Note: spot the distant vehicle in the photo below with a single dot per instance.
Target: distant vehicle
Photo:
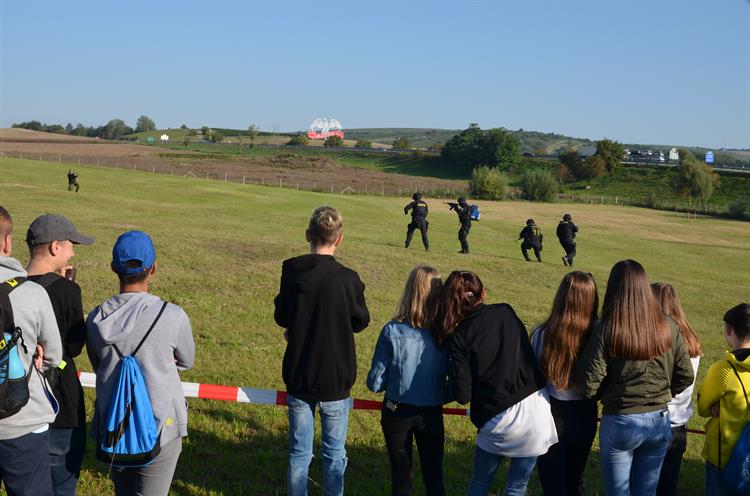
(528, 154)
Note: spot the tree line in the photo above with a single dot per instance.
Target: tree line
(114, 129)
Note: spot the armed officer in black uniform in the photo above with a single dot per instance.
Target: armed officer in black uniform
(566, 233)
(418, 220)
(532, 238)
(464, 218)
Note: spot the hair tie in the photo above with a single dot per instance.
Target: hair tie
(469, 294)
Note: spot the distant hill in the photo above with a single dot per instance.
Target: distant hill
(531, 141)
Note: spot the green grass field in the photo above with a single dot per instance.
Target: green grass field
(220, 248)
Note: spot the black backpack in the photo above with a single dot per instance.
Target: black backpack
(14, 379)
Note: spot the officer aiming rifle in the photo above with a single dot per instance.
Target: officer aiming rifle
(464, 218)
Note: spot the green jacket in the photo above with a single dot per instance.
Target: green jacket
(632, 386)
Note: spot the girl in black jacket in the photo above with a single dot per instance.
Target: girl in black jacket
(493, 366)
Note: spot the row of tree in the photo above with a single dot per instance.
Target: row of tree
(114, 129)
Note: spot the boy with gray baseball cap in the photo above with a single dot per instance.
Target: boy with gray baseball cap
(51, 239)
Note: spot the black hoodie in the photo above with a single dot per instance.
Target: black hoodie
(322, 304)
(492, 363)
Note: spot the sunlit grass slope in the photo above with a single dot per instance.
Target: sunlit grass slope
(220, 248)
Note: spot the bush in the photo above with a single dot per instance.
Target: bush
(563, 174)
(334, 141)
(298, 140)
(488, 184)
(539, 185)
(363, 143)
(738, 208)
(401, 143)
(593, 167)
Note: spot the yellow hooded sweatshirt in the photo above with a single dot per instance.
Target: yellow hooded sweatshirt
(721, 385)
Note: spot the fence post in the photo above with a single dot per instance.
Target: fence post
(280, 184)
(243, 179)
(59, 158)
(206, 174)
(153, 169)
(382, 190)
(297, 184)
(225, 177)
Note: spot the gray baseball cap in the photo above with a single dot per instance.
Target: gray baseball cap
(51, 227)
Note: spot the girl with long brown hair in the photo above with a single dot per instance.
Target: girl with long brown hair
(680, 408)
(491, 364)
(558, 343)
(410, 367)
(636, 362)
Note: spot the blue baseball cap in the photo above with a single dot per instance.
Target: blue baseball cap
(133, 246)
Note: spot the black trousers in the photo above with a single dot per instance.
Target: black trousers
(536, 247)
(561, 468)
(570, 251)
(421, 224)
(670, 469)
(400, 428)
(463, 233)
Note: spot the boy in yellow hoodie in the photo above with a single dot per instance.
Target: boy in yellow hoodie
(722, 398)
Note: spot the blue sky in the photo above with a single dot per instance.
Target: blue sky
(659, 72)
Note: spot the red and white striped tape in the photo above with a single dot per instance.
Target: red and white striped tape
(265, 396)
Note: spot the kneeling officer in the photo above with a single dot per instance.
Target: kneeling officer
(418, 220)
(532, 238)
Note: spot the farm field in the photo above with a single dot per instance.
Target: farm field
(220, 247)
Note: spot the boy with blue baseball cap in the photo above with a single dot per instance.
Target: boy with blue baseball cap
(121, 322)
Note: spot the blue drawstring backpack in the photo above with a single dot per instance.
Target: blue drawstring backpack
(736, 474)
(131, 435)
(14, 379)
(474, 212)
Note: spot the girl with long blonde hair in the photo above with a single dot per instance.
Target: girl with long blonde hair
(410, 367)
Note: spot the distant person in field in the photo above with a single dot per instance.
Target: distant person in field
(492, 365)
(724, 396)
(410, 367)
(116, 328)
(72, 181)
(681, 406)
(635, 361)
(24, 428)
(320, 305)
(566, 234)
(532, 239)
(463, 211)
(558, 343)
(51, 239)
(418, 220)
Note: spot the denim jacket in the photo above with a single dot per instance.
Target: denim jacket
(408, 366)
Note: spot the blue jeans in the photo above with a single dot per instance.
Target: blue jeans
(485, 466)
(334, 420)
(66, 447)
(631, 450)
(24, 465)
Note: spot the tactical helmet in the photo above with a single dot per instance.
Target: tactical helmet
(462, 200)
(416, 196)
(567, 217)
(530, 222)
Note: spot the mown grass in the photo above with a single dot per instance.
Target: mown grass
(220, 248)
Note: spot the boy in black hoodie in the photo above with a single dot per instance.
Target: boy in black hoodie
(321, 304)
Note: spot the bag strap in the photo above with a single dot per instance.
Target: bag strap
(47, 279)
(7, 321)
(741, 384)
(119, 353)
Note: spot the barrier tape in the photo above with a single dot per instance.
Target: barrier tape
(266, 396)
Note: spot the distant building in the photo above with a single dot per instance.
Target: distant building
(673, 155)
(586, 151)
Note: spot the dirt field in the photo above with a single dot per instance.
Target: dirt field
(287, 169)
